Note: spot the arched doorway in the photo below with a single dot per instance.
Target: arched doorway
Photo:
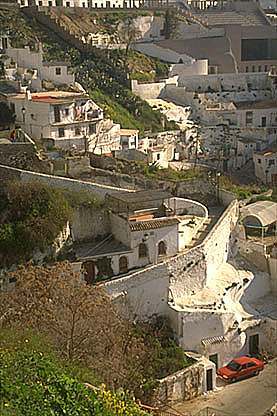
(123, 264)
(161, 248)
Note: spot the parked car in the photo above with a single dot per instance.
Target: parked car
(240, 367)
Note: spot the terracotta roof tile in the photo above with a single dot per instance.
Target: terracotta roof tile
(152, 224)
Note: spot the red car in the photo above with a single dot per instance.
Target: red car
(240, 367)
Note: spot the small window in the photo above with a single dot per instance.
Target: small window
(259, 68)
(271, 162)
(84, 4)
(265, 68)
(158, 156)
(57, 114)
(259, 161)
(66, 111)
(263, 121)
(61, 132)
(249, 117)
(123, 264)
(77, 131)
(161, 248)
(67, 4)
(50, 4)
(246, 69)
(143, 250)
(58, 71)
(92, 128)
(40, 3)
(253, 68)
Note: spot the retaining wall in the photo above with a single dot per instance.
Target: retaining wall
(75, 185)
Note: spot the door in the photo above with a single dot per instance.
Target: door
(209, 379)
(89, 271)
(214, 359)
(254, 344)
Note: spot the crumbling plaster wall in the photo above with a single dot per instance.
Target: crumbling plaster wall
(88, 223)
(184, 384)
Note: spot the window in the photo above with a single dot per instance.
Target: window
(249, 365)
(40, 3)
(259, 161)
(143, 250)
(246, 69)
(265, 68)
(66, 111)
(249, 117)
(161, 248)
(253, 68)
(123, 264)
(84, 4)
(263, 121)
(61, 132)
(158, 156)
(67, 4)
(58, 71)
(271, 162)
(77, 131)
(57, 114)
(92, 128)
(50, 3)
(259, 68)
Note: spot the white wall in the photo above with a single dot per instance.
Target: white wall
(199, 67)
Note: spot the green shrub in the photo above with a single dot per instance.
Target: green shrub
(35, 383)
(33, 217)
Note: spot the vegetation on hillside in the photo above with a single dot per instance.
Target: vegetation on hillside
(87, 331)
(104, 71)
(35, 382)
(31, 217)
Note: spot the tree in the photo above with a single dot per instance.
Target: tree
(35, 382)
(170, 24)
(127, 33)
(31, 217)
(7, 117)
(81, 321)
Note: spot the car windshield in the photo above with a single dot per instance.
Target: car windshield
(233, 366)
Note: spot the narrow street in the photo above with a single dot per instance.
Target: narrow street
(249, 397)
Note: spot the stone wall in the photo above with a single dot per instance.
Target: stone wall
(75, 185)
(89, 223)
(269, 329)
(23, 156)
(185, 384)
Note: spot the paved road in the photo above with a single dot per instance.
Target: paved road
(249, 397)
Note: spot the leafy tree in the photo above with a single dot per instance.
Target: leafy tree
(34, 382)
(33, 216)
(170, 24)
(7, 117)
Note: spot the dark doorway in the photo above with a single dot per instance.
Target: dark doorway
(263, 121)
(214, 359)
(254, 344)
(89, 271)
(123, 264)
(209, 379)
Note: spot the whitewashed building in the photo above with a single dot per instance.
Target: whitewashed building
(146, 227)
(265, 163)
(61, 118)
(31, 62)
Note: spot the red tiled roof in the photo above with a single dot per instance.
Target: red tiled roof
(152, 224)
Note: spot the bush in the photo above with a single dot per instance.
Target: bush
(32, 217)
(35, 383)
